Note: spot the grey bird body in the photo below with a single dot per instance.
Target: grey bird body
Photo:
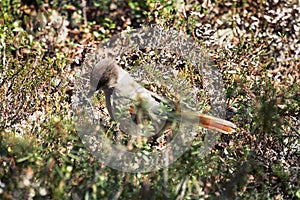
(122, 92)
(125, 97)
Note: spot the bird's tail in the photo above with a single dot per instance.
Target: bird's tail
(212, 123)
(217, 124)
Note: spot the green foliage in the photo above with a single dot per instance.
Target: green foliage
(42, 157)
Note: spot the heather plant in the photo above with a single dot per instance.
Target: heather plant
(254, 46)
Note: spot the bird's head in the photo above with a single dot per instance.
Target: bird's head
(103, 76)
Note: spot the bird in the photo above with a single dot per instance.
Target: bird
(133, 106)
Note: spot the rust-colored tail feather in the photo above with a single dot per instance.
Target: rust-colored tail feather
(216, 124)
(210, 122)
